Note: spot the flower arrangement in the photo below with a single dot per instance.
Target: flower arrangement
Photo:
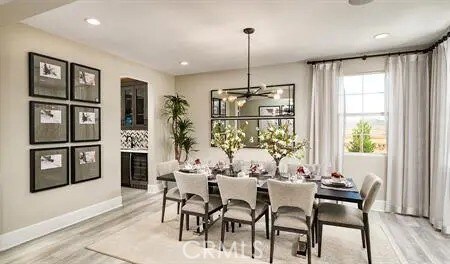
(280, 143)
(228, 138)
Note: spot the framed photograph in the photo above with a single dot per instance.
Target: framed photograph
(48, 77)
(49, 168)
(216, 106)
(269, 110)
(48, 123)
(290, 123)
(85, 123)
(86, 163)
(85, 83)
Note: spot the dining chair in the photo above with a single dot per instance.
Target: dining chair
(292, 207)
(200, 203)
(173, 194)
(240, 205)
(350, 217)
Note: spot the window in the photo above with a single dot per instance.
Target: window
(365, 121)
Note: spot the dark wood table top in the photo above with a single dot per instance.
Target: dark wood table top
(322, 193)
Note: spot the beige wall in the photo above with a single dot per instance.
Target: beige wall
(197, 88)
(19, 207)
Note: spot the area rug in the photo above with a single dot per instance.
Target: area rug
(150, 241)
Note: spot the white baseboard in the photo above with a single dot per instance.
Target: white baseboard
(154, 188)
(22, 235)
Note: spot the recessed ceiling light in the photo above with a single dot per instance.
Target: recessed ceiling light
(381, 36)
(359, 2)
(92, 21)
(184, 63)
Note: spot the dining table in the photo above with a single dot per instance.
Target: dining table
(335, 194)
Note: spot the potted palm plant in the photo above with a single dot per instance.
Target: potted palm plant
(280, 143)
(181, 127)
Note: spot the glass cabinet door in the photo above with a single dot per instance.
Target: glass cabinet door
(141, 106)
(128, 109)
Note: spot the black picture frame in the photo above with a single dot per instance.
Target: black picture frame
(233, 90)
(93, 168)
(50, 132)
(91, 129)
(80, 90)
(262, 107)
(40, 179)
(48, 77)
(249, 120)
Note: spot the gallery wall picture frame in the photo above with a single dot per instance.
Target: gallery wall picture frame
(85, 83)
(48, 77)
(85, 123)
(49, 168)
(85, 163)
(49, 123)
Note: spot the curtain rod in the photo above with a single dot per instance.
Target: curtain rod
(364, 57)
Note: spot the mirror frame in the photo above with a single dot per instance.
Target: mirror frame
(244, 119)
(291, 86)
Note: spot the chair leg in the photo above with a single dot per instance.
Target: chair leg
(187, 222)
(312, 234)
(308, 245)
(222, 235)
(320, 239)
(253, 240)
(232, 227)
(278, 232)
(272, 242)
(205, 219)
(267, 223)
(227, 227)
(240, 225)
(198, 224)
(369, 253)
(163, 208)
(363, 238)
(178, 208)
(181, 227)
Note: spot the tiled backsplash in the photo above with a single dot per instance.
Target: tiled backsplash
(139, 137)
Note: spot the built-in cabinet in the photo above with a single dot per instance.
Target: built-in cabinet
(134, 170)
(134, 106)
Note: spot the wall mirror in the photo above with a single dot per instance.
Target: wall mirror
(250, 125)
(263, 101)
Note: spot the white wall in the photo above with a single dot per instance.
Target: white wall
(197, 88)
(19, 207)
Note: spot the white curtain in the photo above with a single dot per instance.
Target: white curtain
(407, 83)
(327, 126)
(440, 139)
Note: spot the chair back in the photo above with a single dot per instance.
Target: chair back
(242, 189)
(369, 189)
(192, 183)
(297, 195)
(167, 167)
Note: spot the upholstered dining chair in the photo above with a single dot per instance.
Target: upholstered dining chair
(200, 203)
(346, 216)
(173, 194)
(240, 204)
(292, 207)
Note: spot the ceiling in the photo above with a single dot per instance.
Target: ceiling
(208, 34)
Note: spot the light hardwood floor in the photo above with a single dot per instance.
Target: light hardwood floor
(417, 241)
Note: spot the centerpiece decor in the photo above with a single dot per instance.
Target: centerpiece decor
(280, 143)
(229, 139)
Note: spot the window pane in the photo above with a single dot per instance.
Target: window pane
(353, 84)
(353, 104)
(377, 125)
(380, 143)
(352, 134)
(374, 83)
(374, 103)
